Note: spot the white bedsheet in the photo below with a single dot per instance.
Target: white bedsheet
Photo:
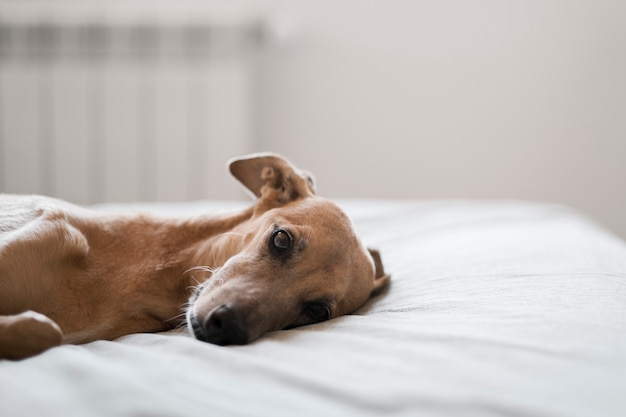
(496, 308)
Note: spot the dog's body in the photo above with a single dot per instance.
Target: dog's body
(290, 259)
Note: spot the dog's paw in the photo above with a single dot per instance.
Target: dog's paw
(27, 334)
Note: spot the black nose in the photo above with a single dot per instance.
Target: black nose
(224, 326)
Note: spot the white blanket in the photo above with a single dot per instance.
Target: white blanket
(495, 308)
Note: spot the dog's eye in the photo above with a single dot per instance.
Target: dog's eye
(318, 311)
(281, 241)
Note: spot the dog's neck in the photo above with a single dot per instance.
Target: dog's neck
(204, 242)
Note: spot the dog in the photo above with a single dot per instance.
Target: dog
(73, 275)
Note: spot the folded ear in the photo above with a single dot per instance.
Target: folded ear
(271, 177)
(381, 280)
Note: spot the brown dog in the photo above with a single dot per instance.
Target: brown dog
(289, 260)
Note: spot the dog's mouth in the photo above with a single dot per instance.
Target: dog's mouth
(194, 325)
(195, 329)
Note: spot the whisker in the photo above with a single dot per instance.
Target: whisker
(201, 268)
(176, 317)
(232, 233)
(181, 325)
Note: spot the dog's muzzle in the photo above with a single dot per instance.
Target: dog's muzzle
(223, 326)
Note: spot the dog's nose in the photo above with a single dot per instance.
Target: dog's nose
(225, 326)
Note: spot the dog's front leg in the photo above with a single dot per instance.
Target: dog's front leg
(27, 334)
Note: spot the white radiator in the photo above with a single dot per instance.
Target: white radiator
(111, 109)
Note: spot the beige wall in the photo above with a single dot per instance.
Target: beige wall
(454, 99)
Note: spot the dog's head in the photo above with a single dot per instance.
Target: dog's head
(296, 261)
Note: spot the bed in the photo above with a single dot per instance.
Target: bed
(496, 308)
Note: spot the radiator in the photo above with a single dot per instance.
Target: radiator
(111, 109)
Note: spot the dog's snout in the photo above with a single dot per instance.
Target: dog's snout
(225, 326)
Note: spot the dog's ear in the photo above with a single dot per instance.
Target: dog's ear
(272, 178)
(381, 280)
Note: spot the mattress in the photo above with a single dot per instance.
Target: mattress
(495, 308)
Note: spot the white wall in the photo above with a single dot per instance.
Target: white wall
(90, 119)
(445, 99)
(454, 99)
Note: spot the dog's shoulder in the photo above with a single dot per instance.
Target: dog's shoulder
(39, 228)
